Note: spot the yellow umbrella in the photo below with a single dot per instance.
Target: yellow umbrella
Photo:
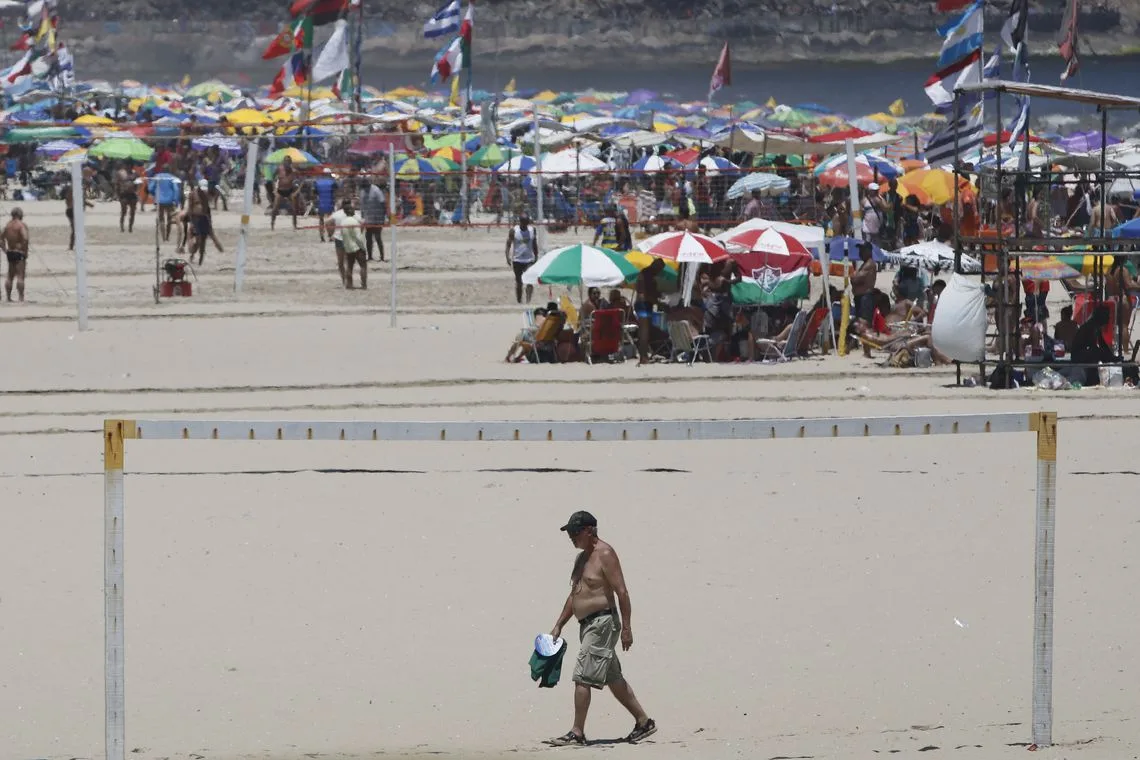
(405, 92)
(91, 120)
(247, 117)
(545, 96)
(933, 186)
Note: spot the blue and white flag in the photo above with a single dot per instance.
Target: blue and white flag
(445, 21)
(940, 149)
(961, 35)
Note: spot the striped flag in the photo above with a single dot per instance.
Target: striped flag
(294, 72)
(970, 136)
(941, 84)
(343, 84)
(445, 21)
(961, 35)
(457, 55)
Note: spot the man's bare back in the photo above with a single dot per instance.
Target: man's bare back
(590, 590)
(15, 237)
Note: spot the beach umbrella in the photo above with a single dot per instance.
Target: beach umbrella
(56, 147)
(655, 163)
(684, 247)
(248, 117)
(491, 155)
(768, 240)
(454, 155)
(1129, 229)
(848, 248)
(772, 287)
(810, 235)
(517, 164)
(571, 162)
(210, 88)
(934, 186)
(414, 168)
(668, 279)
(580, 264)
(714, 165)
(833, 171)
(767, 184)
(299, 157)
(932, 255)
(221, 142)
(1045, 268)
(127, 148)
(91, 120)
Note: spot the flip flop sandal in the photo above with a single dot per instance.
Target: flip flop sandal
(641, 732)
(570, 738)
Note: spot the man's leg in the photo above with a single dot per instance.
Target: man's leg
(8, 280)
(274, 205)
(369, 236)
(340, 265)
(363, 262)
(349, 262)
(624, 694)
(581, 708)
(122, 216)
(131, 219)
(20, 269)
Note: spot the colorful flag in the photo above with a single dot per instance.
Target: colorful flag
(21, 68)
(1014, 28)
(1067, 43)
(457, 55)
(898, 108)
(321, 12)
(970, 135)
(334, 55)
(961, 35)
(298, 35)
(23, 43)
(445, 21)
(293, 72)
(941, 84)
(343, 84)
(722, 74)
(453, 101)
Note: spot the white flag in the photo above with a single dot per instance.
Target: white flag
(334, 56)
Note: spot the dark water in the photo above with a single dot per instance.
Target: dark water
(852, 88)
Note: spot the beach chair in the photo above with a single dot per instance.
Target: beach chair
(546, 339)
(603, 337)
(571, 312)
(810, 338)
(785, 350)
(683, 342)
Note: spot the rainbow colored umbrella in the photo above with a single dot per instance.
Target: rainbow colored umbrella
(1046, 268)
(299, 157)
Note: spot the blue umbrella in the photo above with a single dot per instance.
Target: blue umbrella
(1128, 229)
(848, 248)
(769, 184)
(655, 163)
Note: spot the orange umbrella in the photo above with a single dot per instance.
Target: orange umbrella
(934, 186)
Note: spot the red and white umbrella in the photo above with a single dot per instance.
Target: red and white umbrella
(684, 247)
(768, 240)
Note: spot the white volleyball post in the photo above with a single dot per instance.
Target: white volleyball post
(117, 432)
(78, 218)
(392, 225)
(539, 227)
(247, 211)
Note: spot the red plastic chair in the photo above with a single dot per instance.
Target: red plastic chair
(605, 333)
(1083, 305)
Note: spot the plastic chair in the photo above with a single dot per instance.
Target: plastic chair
(684, 342)
(604, 337)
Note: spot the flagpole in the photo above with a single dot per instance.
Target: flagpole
(359, 45)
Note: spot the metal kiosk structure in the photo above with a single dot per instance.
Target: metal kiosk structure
(116, 433)
(1004, 195)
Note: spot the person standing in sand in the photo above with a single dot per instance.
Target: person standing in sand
(15, 243)
(522, 252)
(594, 583)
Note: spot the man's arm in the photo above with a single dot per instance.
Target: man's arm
(563, 617)
(510, 242)
(611, 568)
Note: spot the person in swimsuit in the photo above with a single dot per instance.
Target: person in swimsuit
(201, 222)
(643, 305)
(128, 195)
(595, 582)
(286, 191)
(15, 244)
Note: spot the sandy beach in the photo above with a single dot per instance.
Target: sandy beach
(806, 599)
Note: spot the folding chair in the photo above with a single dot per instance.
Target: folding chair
(811, 331)
(785, 350)
(604, 335)
(547, 338)
(684, 341)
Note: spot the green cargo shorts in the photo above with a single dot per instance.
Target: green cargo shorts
(598, 664)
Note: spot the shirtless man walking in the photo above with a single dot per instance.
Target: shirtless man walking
(128, 194)
(594, 582)
(15, 243)
(285, 192)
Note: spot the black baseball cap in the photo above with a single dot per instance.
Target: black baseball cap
(580, 520)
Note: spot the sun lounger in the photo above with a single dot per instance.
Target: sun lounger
(684, 342)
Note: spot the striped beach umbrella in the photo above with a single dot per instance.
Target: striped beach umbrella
(580, 264)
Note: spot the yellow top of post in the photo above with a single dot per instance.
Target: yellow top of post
(1045, 425)
(114, 433)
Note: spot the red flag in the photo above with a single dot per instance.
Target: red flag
(953, 5)
(22, 68)
(282, 44)
(1068, 40)
(23, 43)
(722, 74)
(321, 11)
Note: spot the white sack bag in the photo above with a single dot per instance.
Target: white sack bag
(959, 328)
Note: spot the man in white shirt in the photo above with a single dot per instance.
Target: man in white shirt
(872, 213)
(522, 252)
(348, 238)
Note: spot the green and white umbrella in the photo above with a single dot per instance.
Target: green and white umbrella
(580, 264)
